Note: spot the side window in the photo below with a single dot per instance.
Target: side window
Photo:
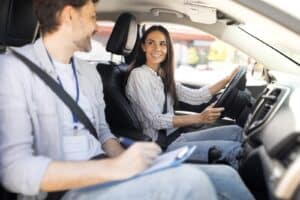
(99, 41)
(202, 59)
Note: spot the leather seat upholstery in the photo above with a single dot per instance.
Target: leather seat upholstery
(17, 22)
(119, 114)
(17, 27)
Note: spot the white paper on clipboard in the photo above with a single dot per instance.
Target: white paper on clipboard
(170, 159)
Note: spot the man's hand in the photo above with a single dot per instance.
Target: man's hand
(77, 174)
(136, 158)
(112, 148)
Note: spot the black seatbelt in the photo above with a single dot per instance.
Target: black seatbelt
(162, 139)
(59, 91)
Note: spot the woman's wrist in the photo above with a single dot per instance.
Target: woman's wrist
(198, 119)
(227, 79)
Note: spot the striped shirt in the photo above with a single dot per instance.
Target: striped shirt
(145, 91)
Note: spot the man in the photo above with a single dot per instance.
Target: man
(43, 146)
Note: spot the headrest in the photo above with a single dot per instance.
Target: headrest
(17, 22)
(123, 36)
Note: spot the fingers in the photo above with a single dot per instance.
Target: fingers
(150, 146)
(212, 105)
(136, 158)
(148, 151)
(213, 117)
(151, 151)
(235, 71)
(211, 114)
(213, 109)
(237, 68)
(150, 154)
(217, 110)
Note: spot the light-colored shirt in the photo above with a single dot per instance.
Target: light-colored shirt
(31, 132)
(145, 90)
(78, 144)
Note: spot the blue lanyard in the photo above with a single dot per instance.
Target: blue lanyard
(75, 119)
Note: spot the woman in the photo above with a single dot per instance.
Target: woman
(151, 77)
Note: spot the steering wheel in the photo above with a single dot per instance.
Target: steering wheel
(238, 82)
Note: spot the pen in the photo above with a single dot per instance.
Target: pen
(126, 142)
(186, 152)
(182, 153)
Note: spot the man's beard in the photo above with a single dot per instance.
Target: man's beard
(84, 45)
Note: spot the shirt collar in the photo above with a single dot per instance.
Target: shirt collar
(150, 70)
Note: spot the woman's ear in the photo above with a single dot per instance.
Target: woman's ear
(143, 48)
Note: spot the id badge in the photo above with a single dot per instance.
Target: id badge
(76, 147)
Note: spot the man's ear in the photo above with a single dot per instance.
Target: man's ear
(66, 15)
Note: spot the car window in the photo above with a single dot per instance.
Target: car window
(202, 59)
(99, 41)
(278, 41)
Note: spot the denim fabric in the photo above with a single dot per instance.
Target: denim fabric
(184, 182)
(227, 182)
(227, 139)
(179, 183)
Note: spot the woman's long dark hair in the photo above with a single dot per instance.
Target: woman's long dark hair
(166, 69)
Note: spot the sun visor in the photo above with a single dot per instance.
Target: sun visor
(197, 13)
(200, 13)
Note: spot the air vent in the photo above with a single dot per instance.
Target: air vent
(255, 106)
(276, 92)
(266, 104)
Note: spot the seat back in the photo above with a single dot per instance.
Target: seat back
(119, 114)
(17, 27)
(17, 22)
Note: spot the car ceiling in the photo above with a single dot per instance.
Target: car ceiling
(229, 13)
(183, 10)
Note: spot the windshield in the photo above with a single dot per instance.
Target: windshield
(290, 7)
(285, 13)
(278, 41)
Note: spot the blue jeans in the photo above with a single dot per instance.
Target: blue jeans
(184, 182)
(227, 139)
(178, 183)
(227, 182)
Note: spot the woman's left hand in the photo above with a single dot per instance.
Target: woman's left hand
(232, 74)
(223, 82)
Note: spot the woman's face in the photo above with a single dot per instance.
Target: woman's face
(155, 48)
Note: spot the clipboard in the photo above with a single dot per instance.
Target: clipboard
(170, 159)
(164, 161)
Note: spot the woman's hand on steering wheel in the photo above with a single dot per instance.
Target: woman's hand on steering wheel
(237, 79)
(210, 114)
(232, 74)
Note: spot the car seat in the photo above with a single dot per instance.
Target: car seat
(18, 26)
(119, 114)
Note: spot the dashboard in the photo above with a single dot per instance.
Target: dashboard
(273, 125)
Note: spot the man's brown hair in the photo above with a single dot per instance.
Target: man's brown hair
(47, 11)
